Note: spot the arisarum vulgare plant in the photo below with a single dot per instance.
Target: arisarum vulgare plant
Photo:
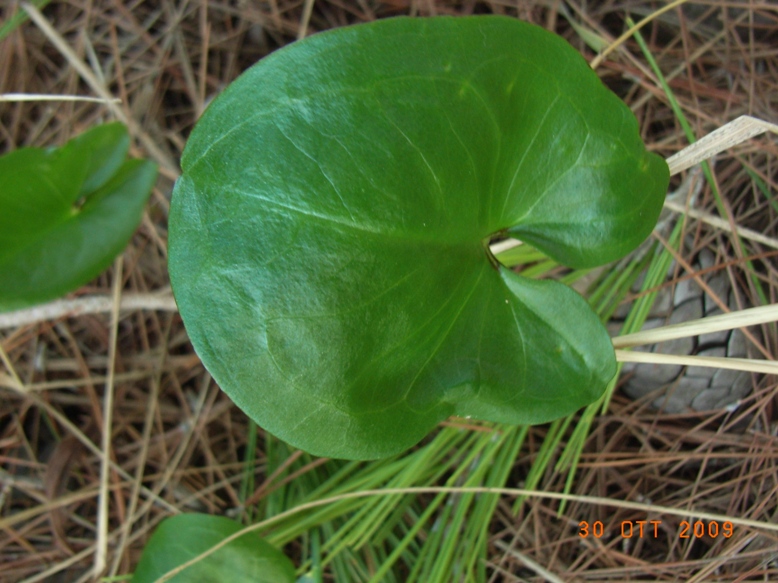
(329, 235)
(67, 212)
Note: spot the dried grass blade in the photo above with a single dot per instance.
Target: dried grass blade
(735, 132)
(101, 554)
(534, 565)
(305, 20)
(730, 321)
(43, 97)
(746, 364)
(632, 29)
(720, 223)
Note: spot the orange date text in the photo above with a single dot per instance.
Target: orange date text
(651, 528)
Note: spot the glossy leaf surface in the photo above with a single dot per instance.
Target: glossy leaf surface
(65, 213)
(329, 234)
(185, 536)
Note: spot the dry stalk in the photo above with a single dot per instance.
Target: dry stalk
(96, 304)
(102, 513)
(10, 97)
(630, 31)
(746, 364)
(730, 321)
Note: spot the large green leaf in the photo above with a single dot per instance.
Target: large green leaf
(180, 538)
(65, 213)
(329, 234)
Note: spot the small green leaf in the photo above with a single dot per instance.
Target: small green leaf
(185, 536)
(329, 234)
(65, 213)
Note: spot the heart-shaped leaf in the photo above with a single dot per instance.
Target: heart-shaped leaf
(181, 538)
(65, 213)
(329, 234)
